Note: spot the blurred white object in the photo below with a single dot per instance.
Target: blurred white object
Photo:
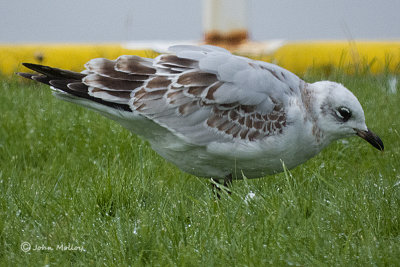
(225, 21)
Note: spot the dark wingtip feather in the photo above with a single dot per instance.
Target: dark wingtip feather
(41, 78)
(54, 72)
(29, 65)
(25, 75)
(36, 77)
(78, 86)
(67, 81)
(35, 67)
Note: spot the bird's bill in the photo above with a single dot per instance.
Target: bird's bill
(371, 138)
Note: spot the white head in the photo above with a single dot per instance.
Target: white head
(339, 113)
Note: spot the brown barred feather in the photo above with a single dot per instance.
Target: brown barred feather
(225, 125)
(253, 135)
(212, 89)
(243, 133)
(134, 65)
(188, 108)
(196, 91)
(214, 120)
(158, 82)
(107, 83)
(249, 122)
(258, 124)
(173, 60)
(250, 125)
(105, 67)
(149, 95)
(233, 115)
(197, 78)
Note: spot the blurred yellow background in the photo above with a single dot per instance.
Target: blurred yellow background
(297, 57)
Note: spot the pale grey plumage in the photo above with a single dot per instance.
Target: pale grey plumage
(212, 113)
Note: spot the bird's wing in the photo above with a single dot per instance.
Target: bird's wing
(200, 93)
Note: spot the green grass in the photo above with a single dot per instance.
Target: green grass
(70, 176)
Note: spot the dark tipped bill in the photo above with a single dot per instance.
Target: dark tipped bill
(371, 138)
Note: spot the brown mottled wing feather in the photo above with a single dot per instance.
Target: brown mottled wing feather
(202, 94)
(109, 82)
(206, 101)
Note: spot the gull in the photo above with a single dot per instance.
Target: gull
(214, 114)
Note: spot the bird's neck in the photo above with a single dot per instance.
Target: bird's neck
(311, 98)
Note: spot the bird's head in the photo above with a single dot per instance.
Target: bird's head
(339, 113)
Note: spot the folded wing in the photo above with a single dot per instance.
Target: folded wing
(200, 93)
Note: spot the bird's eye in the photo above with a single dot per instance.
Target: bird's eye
(343, 113)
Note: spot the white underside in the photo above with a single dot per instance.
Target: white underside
(219, 159)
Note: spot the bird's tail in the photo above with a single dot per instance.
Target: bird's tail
(68, 85)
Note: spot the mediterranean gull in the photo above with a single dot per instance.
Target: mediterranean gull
(214, 114)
